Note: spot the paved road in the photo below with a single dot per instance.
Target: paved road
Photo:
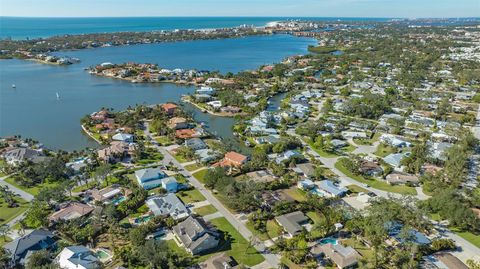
(468, 250)
(25, 195)
(272, 259)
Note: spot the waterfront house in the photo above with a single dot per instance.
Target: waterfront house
(170, 108)
(127, 138)
(167, 205)
(21, 248)
(343, 257)
(70, 211)
(271, 139)
(215, 104)
(116, 152)
(77, 257)
(332, 189)
(194, 235)
(205, 90)
(16, 156)
(177, 123)
(294, 223)
(150, 178)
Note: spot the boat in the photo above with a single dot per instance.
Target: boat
(13, 86)
(58, 96)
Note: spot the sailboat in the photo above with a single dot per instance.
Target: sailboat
(58, 96)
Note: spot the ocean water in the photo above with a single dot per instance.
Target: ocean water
(22, 28)
(32, 109)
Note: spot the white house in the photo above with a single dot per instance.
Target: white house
(77, 257)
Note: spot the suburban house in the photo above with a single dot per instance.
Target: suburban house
(16, 156)
(443, 260)
(401, 178)
(343, 257)
(111, 194)
(177, 123)
(206, 155)
(150, 178)
(195, 144)
(371, 168)
(261, 176)
(331, 189)
(220, 261)
(77, 257)
(167, 205)
(170, 108)
(394, 159)
(305, 169)
(116, 152)
(270, 198)
(127, 138)
(305, 184)
(395, 232)
(288, 155)
(394, 141)
(293, 223)
(194, 235)
(21, 248)
(70, 211)
(232, 159)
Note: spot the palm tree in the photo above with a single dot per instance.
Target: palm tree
(4, 231)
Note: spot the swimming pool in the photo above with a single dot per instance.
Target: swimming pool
(328, 240)
(318, 192)
(118, 200)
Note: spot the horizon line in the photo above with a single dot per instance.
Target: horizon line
(237, 16)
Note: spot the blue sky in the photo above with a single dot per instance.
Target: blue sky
(313, 8)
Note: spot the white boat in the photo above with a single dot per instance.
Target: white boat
(58, 96)
(13, 86)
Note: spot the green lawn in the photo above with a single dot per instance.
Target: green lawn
(191, 196)
(180, 158)
(296, 194)
(205, 210)
(357, 189)
(7, 213)
(82, 188)
(315, 217)
(149, 156)
(470, 237)
(163, 140)
(362, 141)
(32, 190)
(193, 167)
(239, 247)
(4, 240)
(200, 175)
(384, 150)
(376, 183)
(358, 246)
(173, 246)
(273, 230)
(321, 152)
(349, 148)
